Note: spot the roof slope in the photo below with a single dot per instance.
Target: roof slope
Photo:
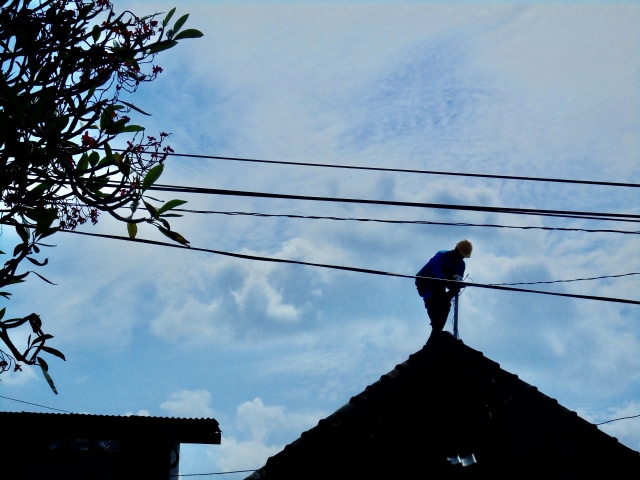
(449, 401)
(181, 430)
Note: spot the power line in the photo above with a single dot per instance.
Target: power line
(35, 404)
(405, 170)
(619, 217)
(211, 473)
(350, 269)
(622, 217)
(402, 222)
(602, 277)
(617, 419)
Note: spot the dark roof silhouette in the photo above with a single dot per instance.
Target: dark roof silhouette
(448, 403)
(183, 430)
(36, 446)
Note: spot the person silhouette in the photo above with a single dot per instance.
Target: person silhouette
(436, 294)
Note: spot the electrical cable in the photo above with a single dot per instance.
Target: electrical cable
(34, 404)
(602, 277)
(617, 419)
(401, 222)
(210, 473)
(405, 170)
(349, 269)
(622, 217)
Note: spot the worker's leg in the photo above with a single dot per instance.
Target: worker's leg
(438, 307)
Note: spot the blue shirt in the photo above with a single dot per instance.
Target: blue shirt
(445, 264)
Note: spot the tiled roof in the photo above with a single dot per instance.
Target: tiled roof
(181, 430)
(447, 402)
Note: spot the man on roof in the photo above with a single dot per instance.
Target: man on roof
(437, 294)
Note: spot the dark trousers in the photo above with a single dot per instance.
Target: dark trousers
(438, 306)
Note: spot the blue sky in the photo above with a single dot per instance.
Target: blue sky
(527, 89)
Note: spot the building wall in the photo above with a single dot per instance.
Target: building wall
(89, 459)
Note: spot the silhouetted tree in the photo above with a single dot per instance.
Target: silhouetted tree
(67, 66)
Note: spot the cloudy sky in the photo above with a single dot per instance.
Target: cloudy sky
(531, 90)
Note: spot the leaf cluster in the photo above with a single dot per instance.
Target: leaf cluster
(66, 66)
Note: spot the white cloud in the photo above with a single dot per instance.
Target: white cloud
(257, 419)
(233, 455)
(190, 320)
(188, 403)
(23, 377)
(141, 413)
(256, 288)
(259, 429)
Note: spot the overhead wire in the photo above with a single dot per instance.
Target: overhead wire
(178, 475)
(618, 419)
(584, 215)
(402, 222)
(601, 277)
(409, 170)
(622, 217)
(396, 222)
(348, 268)
(35, 404)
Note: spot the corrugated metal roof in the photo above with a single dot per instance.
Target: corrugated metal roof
(182, 430)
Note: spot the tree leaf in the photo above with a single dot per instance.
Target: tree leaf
(132, 128)
(171, 204)
(15, 322)
(106, 119)
(188, 33)
(83, 163)
(152, 210)
(133, 107)
(96, 32)
(45, 371)
(43, 364)
(180, 22)
(109, 153)
(94, 158)
(165, 223)
(23, 233)
(38, 263)
(54, 351)
(132, 229)
(175, 236)
(151, 176)
(161, 46)
(168, 17)
(42, 338)
(43, 278)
